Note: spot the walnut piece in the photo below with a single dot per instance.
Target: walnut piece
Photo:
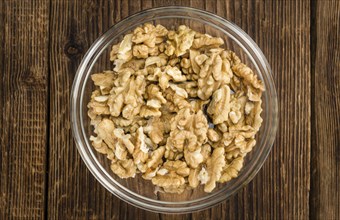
(206, 40)
(173, 177)
(219, 107)
(211, 74)
(124, 168)
(155, 130)
(140, 154)
(156, 157)
(104, 131)
(231, 170)
(215, 166)
(213, 135)
(183, 40)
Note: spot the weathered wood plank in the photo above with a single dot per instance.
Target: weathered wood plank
(281, 188)
(24, 107)
(325, 163)
(73, 192)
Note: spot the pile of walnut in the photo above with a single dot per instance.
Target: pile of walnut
(176, 108)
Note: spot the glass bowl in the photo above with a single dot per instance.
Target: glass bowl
(140, 192)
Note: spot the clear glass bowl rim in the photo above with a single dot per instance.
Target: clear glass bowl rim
(122, 192)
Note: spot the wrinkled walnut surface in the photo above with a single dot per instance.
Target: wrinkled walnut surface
(176, 108)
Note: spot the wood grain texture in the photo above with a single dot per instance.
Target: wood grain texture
(41, 173)
(73, 192)
(281, 188)
(23, 101)
(280, 28)
(325, 188)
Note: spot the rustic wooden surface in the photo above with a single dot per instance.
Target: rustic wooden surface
(325, 152)
(41, 173)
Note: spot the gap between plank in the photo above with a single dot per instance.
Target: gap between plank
(48, 116)
(313, 43)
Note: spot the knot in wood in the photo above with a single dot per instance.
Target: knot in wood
(73, 49)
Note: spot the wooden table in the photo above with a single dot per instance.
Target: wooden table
(42, 174)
